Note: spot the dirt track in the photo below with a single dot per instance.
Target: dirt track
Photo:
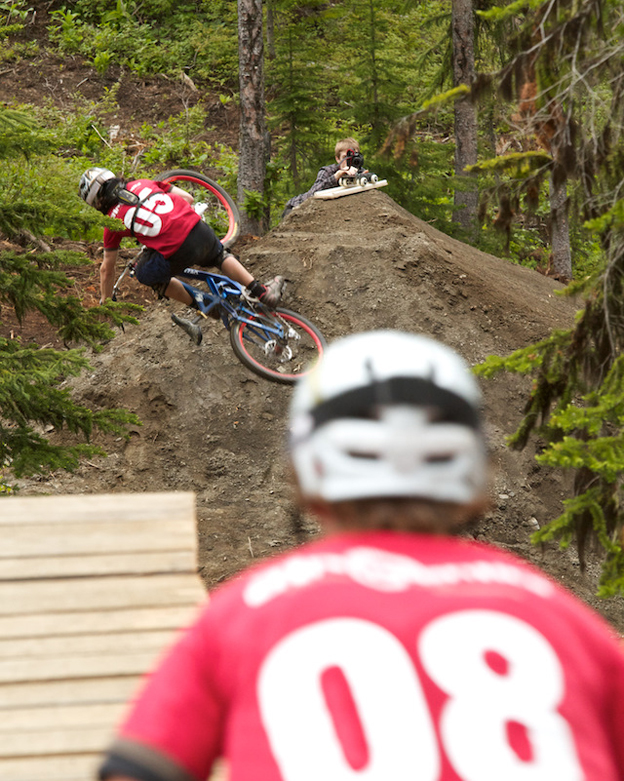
(210, 426)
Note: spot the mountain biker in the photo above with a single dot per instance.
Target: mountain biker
(329, 175)
(160, 216)
(393, 648)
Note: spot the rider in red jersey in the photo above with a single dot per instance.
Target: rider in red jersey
(160, 216)
(394, 647)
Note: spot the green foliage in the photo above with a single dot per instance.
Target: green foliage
(450, 96)
(151, 37)
(34, 197)
(380, 50)
(38, 283)
(13, 16)
(38, 197)
(254, 204)
(16, 133)
(177, 141)
(576, 406)
(298, 86)
(516, 164)
(570, 56)
(418, 163)
(30, 396)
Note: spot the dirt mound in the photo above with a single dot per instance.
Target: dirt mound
(210, 426)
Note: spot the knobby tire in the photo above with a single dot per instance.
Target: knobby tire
(307, 350)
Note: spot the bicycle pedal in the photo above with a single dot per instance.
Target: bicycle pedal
(246, 295)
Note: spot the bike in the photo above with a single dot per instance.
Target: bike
(276, 344)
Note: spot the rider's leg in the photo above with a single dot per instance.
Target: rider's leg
(177, 291)
(202, 248)
(234, 269)
(269, 293)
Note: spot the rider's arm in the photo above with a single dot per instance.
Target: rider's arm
(174, 728)
(107, 274)
(182, 193)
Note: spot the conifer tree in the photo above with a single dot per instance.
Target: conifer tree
(577, 400)
(31, 401)
(373, 78)
(298, 88)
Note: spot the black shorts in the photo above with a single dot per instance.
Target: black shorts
(200, 248)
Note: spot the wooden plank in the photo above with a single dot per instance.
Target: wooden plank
(35, 649)
(75, 538)
(60, 717)
(93, 622)
(86, 691)
(82, 767)
(67, 667)
(108, 564)
(60, 596)
(45, 742)
(93, 590)
(339, 192)
(71, 768)
(89, 508)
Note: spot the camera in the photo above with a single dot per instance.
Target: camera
(355, 159)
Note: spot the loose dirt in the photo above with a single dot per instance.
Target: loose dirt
(360, 262)
(210, 426)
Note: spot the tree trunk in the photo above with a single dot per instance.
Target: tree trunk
(561, 259)
(270, 33)
(465, 113)
(253, 139)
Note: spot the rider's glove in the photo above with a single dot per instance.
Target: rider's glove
(200, 207)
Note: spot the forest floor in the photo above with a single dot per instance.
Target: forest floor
(210, 426)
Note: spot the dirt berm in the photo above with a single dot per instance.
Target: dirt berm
(210, 426)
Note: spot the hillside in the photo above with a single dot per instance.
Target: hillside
(356, 263)
(210, 426)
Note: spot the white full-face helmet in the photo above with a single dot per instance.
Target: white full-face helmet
(388, 414)
(91, 185)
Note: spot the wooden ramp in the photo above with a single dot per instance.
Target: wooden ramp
(340, 192)
(92, 589)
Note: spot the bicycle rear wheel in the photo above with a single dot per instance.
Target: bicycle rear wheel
(222, 213)
(278, 360)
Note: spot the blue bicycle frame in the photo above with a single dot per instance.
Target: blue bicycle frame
(276, 344)
(230, 297)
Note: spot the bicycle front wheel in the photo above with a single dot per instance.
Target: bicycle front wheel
(282, 359)
(221, 213)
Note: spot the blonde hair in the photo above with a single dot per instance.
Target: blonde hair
(345, 144)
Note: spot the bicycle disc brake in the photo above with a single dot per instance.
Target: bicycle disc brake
(282, 353)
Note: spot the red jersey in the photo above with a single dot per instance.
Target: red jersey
(162, 222)
(382, 655)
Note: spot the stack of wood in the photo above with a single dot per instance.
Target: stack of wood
(93, 589)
